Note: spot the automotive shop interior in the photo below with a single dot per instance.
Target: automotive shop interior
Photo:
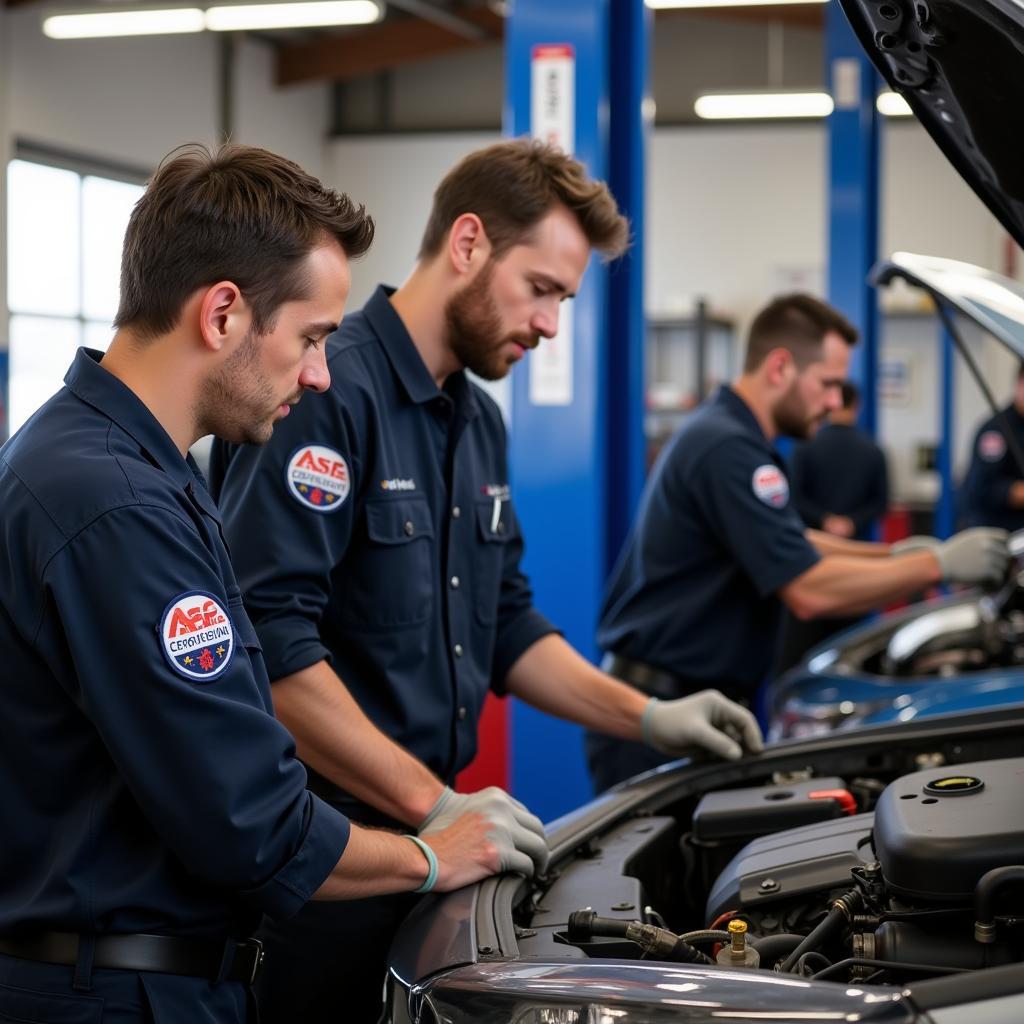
(511, 512)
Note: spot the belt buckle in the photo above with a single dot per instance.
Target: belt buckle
(257, 960)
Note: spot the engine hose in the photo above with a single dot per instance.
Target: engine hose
(585, 925)
(834, 922)
(984, 899)
(774, 947)
(707, 935)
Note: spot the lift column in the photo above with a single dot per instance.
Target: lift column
(576, 76)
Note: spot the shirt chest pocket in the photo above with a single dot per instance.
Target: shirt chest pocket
(392, 577)
(495, 529)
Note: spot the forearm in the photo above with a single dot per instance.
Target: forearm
(334, 737)
(844, 585)
(374, 864)
(553, 677)
(826, 544)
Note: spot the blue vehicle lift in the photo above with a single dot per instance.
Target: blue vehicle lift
(577, 463)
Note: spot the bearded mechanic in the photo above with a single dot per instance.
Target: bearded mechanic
(152, 808)
(717, 548)
(378, 551)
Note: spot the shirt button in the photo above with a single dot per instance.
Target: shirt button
(462, 714)
(455, 581)
(409, 528)
(458, 650)
(456, 512)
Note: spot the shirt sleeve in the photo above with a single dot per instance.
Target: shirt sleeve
(993, 477)
(210, 767)
(747, 505)
(287, 508)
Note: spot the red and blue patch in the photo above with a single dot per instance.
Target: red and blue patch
(197, 637)
(770, 485)
(318, 477)
(991, 446)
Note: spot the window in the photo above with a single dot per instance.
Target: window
(65, 229)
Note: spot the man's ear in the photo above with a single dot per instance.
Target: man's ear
(468, 244)
(223, 315)
(779, 366)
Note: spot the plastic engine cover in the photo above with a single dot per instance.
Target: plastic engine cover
(937, 832)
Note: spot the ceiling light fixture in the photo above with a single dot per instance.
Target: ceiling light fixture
(892, 104)
(754, 106)
(222, 18)
(663, 5)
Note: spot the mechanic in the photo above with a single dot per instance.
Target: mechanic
(378, 549)
(840, 485)
(152, 807)
(993, 490)
(717, 549)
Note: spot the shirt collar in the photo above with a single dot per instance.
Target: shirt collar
(738, 409)
(406, 360)
(98, 387)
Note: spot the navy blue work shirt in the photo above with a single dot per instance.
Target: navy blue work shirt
(716, 536)
(840, 471)
(376, 530)
(992, 471)
(144, 784)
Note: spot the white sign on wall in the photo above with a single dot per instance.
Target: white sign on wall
(553, 119)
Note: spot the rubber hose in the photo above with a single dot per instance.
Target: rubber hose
(775, 947)
(834, 921)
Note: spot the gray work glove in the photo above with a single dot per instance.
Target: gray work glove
(918, 542)
(706, 721)
(518, 834)
(977, 556)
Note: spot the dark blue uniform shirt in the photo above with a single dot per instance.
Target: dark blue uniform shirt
(840, 471)
(715, 537)
(377, 530)
(144, 784)
(993, 469)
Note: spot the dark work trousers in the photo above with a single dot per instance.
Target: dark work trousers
(799, 636)
(38, 993)
(612, 760)
(327, 964)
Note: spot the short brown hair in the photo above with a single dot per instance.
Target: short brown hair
(513, 185)
(797, 323)
(240, 214)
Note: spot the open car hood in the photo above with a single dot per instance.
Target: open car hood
(994, 302)
(958, 63)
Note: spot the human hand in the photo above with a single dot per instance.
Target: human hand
(706, 720)
(917, 542)
(977, 556)
(838, 526)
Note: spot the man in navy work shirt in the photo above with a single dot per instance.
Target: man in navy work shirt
(152, 808)
(378, 549)
(717, 548)
(993, 490)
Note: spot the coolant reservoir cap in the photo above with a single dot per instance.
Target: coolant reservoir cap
(954, 785)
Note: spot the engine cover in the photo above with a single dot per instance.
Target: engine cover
(937, 832)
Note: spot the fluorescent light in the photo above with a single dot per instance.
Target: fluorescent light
(743, 106)
(892, 104)
(236, 18)
(123, 23)
(662, 5)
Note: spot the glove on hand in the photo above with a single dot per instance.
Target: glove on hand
(518, 834)
(707, 721)
(918, 542)
(977, 556)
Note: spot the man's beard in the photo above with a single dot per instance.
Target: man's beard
(473, 329)
(791, 417)
(237, 402)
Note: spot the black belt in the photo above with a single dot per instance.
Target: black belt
(199, 957)
(654, 681)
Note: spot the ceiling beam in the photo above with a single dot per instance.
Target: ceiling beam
(379, 48)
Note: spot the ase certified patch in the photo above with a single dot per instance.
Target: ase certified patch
(197, 637)
(318, 477)
(770, 485)
(991, 446)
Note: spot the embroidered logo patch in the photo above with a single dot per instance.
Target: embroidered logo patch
(398, 483)
(991, 446)
(197, 637)
(770, 486)
(318, 477)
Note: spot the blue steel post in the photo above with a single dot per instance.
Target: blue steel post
(574, 489)
(945, 509)
(853, 215)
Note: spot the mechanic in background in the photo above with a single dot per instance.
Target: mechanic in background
(840, 486)
(152, 807)
(993, 490)
(718, 549)
(379, 552)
